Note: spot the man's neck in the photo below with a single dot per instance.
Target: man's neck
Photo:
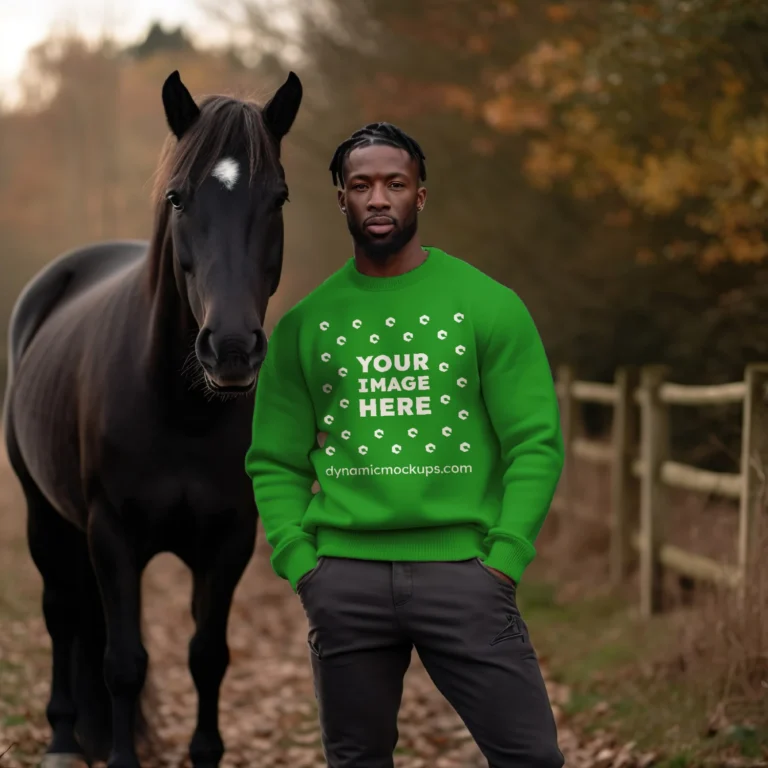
(398, 264)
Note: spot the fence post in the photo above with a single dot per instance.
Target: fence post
(754, 465)
(624, 496)
(654, 451)
(569, 421)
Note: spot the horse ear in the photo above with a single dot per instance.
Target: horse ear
(280, 111)
(180, 108)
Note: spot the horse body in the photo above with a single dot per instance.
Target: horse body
(104, 438)
(121, 454)
(50, 405)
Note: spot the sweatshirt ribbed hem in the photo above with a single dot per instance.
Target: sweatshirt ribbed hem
(511, 556)
(457, 542)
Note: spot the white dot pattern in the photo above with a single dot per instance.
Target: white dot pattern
(408, 337)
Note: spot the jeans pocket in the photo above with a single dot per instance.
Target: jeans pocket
(491, 575)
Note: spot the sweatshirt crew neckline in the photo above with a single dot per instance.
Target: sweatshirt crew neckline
(428, 267)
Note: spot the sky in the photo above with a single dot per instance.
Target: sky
(24, 23)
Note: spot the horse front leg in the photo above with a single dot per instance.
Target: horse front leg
(216, 575)
(59, 551)
(118, 572)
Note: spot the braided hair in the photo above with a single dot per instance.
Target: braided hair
(376, 133)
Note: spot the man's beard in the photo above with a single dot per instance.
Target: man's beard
(381, 249)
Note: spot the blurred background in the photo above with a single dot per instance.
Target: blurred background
(607, 160)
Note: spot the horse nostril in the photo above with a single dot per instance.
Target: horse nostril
(205, 347)
(258, 345)
(214, 344)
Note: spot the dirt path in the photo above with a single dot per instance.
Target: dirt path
(267, 712)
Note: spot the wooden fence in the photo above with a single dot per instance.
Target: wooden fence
(641, 471)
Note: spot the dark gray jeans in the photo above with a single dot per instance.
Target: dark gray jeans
(365, 617)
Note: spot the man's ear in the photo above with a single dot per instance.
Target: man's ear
(421, 199)
(342, 200)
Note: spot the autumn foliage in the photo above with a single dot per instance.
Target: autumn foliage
(661, 105)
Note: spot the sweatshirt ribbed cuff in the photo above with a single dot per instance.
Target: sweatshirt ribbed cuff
(296, 560)
(510, 556)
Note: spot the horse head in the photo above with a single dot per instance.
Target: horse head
(223, 191)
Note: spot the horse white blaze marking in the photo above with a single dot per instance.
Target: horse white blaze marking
(227, 172)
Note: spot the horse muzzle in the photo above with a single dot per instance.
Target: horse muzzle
(231, 364)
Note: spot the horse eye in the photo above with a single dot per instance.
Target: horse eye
(174, 199)
(282, 200)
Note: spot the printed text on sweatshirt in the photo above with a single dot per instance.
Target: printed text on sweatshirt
(442, 427)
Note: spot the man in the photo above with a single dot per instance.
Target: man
(442, 453)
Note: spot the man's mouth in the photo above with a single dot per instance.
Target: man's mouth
(380, 225)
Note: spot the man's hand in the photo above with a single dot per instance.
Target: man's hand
(502, 575)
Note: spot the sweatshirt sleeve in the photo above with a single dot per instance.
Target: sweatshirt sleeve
(278, 462)
(520, 397)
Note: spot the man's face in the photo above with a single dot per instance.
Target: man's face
(381, 199)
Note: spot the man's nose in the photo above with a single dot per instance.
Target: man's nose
(378, 199)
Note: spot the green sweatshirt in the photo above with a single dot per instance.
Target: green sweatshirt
(442, 427)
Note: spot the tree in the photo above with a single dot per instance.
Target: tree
(158, 41)
(661, 104)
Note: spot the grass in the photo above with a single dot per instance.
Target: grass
(618, 669)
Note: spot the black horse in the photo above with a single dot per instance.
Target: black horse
(128, 414)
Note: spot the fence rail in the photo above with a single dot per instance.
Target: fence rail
(716, 394)
(641, 470)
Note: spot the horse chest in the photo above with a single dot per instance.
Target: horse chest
(160, 471)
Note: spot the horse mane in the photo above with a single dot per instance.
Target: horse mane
(224, 126)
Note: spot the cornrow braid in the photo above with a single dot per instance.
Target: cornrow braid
(376, 133)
